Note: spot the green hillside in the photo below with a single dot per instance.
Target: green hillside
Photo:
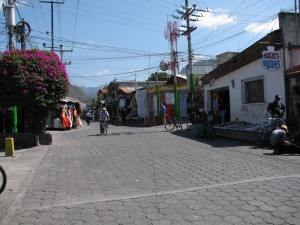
(80, 94)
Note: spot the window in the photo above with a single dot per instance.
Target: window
(253, 90)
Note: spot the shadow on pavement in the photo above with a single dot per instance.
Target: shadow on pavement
(115, 133)
(215, 142)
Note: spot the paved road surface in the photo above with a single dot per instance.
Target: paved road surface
(145, 175)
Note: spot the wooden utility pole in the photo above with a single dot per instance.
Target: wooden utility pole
(62, 52)
(188, 33)
(52, 23)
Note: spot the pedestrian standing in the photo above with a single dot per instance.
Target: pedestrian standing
(163, 110)
(276, 108)
(222, 110)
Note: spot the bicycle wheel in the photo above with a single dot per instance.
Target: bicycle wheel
(210, 132)
(260, 135)
(169, 125)
(179, 126)
(3, 179)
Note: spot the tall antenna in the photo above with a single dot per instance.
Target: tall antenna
(172, 34)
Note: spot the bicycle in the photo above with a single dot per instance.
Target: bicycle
(263, 133)
(3, 179)
(103, 126)
(171, 124)
(210, 130)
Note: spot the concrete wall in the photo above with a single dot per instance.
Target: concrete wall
(26, 140)
(287, 23)
(253, 113)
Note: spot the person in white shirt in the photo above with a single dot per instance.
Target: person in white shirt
(104, 114)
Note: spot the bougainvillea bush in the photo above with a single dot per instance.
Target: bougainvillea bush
(34, 80)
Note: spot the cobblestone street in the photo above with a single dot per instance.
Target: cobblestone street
(145, 175)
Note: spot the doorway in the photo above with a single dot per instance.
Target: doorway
(217, 95)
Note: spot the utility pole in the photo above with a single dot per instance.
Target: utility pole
(187, 33)
(296, 20)
(62, 52)
(157, 100)
(22, 30)
(23, 43)
(189, 29)
(10, 22)
(52, 23)
(115, 100)
(115, 88)
(135, 82)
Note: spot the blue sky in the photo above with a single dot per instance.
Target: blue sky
(124, 39)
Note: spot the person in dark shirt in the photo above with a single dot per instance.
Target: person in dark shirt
(222, 110)
(276, 108)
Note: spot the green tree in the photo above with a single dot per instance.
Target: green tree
(162, 76)
(34, 81)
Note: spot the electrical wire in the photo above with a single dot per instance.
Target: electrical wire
(75, 23)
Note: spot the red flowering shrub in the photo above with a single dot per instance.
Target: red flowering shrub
(32, 79)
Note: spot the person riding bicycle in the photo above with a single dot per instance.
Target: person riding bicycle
(88, 118)
(276, 108)
(104, 114)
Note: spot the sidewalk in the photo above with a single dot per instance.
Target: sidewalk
(20, 169)
(237, 130)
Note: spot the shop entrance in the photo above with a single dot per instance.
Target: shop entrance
(220, 99)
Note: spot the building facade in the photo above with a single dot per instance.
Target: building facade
(251, 79)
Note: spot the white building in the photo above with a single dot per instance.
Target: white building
(251, 79)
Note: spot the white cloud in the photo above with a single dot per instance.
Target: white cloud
(103, 72)
(215, 18)
(263, 27)
(200, 57)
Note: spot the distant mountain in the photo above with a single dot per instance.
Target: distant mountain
(91, 91)
(81, 94)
